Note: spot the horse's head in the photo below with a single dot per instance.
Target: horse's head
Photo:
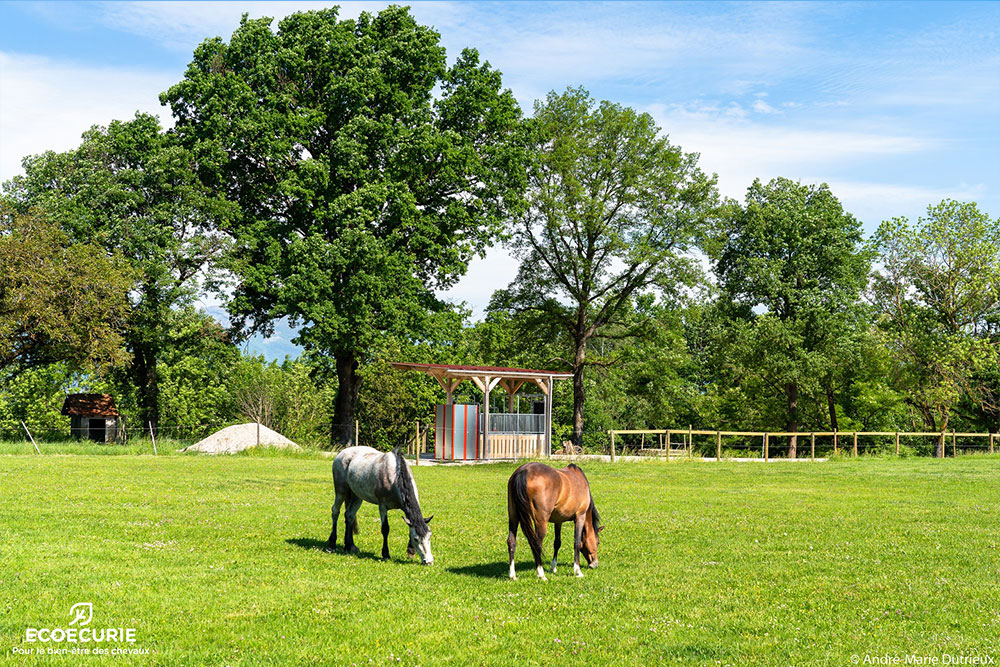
(420, 540)
(591, 537)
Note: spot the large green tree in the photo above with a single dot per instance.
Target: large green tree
(59, 301)
(793, 266)
(368, 173)
(937, 291)
(132, 190)
(613, 210)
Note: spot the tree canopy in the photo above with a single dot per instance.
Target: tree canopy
(367, 173)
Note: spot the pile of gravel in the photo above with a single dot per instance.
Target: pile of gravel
(234, 439)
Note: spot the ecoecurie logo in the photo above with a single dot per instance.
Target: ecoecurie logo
(78, 631)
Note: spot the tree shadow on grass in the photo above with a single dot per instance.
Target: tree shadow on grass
(499, 570)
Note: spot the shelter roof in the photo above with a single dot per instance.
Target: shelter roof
(453, 370)
(89, 405)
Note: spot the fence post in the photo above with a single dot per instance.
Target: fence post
(953, 438)
(767, 443)
(153, 437)
(897, 443)
(357, 430)
(612, 445)
(991, 442)
(855, 444)
(642, 444)
(690, 443)
(718, 445)
(31, 437)
(812, 446)
(835, 443)
(942, 445)
(416, 444)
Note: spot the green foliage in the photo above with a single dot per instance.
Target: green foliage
(59, 301)
(612, 209)
(132, 190)
(937, 293)
(360, 189)
(791, 268)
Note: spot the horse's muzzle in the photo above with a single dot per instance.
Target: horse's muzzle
(593, 564)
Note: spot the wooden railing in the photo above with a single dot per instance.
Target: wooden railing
(766, 436)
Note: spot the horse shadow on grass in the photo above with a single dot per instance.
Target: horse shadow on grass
(309, 543)
(500, 570)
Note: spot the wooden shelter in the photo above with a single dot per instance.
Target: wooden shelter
(499, 435)
(93, 416)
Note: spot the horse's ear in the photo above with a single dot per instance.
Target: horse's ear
(428, 519)
(600, 528)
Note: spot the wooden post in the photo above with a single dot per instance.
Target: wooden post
(612, 445)
(642, 443)
(812, 446)
(855, 448)
(953, 452)
(416, 444)
(357, 431)
(31, 437)
(835, 450)
(942, 444)
(767, 447)
(153, 436)
(992, 435)
(718, 445)
(690, 444)
(763, 446)
(897, 443)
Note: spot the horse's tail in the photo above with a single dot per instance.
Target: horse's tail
(522, 506)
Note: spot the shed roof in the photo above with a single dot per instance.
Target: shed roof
(498, 371)
(89, 405)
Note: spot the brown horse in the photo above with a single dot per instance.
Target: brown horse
(542, 495)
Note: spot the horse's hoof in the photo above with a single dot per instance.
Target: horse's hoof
(330, 548)
(354, 550)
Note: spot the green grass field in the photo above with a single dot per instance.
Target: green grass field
(217, 560)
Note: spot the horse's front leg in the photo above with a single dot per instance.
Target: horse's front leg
(555, 546)
(578, 543)
(384, 511)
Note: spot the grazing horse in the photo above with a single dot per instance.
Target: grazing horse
(541, 495)
(383, 479)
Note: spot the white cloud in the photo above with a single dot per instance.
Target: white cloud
(47, 105)
(739, 150)
(760, 106)
(874, 202)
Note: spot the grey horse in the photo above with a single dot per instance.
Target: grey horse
(383, 479)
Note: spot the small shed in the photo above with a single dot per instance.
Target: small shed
(93, 416)
(471, 431)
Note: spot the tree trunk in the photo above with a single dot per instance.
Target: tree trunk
(939, 446)
(348, 383)
(792, 391)
(831, 404)
(578, 365)
(145, 377)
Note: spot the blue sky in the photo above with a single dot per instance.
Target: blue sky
(896, 105)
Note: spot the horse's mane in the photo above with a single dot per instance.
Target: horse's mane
(408, 495)
(596, 517)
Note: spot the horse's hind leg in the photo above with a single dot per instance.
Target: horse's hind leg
(331, 543)
(555, 546)
(541, 524)
(512, 541)
(351, 521)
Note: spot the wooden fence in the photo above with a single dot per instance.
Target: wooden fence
(765, 436)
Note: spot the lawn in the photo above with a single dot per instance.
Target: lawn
(217, 560)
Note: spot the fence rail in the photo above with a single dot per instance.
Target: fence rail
(509, 422)
(687, 436)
